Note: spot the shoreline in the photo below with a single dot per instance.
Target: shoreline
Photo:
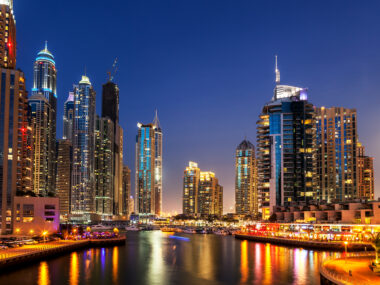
(325, 246)
(14, 257)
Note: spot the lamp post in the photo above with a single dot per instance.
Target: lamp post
(44, 233)
(345, 248)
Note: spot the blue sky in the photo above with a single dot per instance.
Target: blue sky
(208, 66)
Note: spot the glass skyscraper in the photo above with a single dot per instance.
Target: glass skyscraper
(158, 165)
(68, 115)
(43, 103)
(83, 175)
(246, 179)
(286, 149)
(191, 178)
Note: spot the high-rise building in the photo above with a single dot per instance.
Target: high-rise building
(63, 184)
(246, 179)
(15, 131)
(366, 176)
(126, 191)
(104, 165)
(145, 166)
(83, 175)
(286, 149)
(191, 178)
(337, 160)
(131, 205)
(110, 109)
(8, 36)
(210, 195)
(68, 116)
(43, 104)
(158, 165)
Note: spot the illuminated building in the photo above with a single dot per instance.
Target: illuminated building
(68, 115)
(63, 183)
(15, 131)
(190, 189)
(110, 109)
(35, 215)
(337, 160)
(83, 176)
(43, 103)
(286, 149)
(126, 191)
(158, 165)
(365, 170)
(8, 35)
(104, 164)
(145, 166)
(246, 179)
(210, 195)
(131, 205)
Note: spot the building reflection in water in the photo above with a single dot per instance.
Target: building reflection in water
(156, 273)
(244, 268)
(43, 274)
(115, 264)
(74, 272)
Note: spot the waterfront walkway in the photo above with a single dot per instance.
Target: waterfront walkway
(353, 270)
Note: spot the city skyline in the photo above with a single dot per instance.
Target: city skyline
(220, 159)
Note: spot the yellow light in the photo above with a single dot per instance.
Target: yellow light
(17, 230)
(31, 231)
(44, 233)
(345, 242)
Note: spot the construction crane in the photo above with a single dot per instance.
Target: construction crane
(112, 73)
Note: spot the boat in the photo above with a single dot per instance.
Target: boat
(168, 230)
(189, 231)
(132, 229)
(221, 232)
(100, 228)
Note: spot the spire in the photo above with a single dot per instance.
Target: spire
(156, 121)
(46, 45)
(277, 71)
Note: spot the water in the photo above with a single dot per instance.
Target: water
(155, 258)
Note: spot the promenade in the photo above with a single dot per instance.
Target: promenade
(352, 270)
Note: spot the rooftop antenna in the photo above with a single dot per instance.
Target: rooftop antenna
(277, 71)
(45, 45)
(112, 73)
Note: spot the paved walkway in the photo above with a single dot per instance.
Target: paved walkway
(359, 267)
(28, 249)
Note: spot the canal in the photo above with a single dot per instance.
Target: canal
(159, 258)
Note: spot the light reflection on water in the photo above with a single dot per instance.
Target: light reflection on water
(155, 258)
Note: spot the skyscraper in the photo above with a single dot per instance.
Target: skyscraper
(15, 142)
(126, 191)
(366, 176)
(104, 167)
(63, 184)
(286, 149)
(145, 166)
(158, 165)
(210, 195)
(83, 177)
(246, 179)
(43, 104)
(191, 178)
(110, 109)
(68, 115)
(337, 159)
(8, 35)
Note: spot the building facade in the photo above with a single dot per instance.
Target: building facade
(337, 160)
(8, 35)
(286, 149)
(191, 179)
(158, 165)
(145, 166)
(104, 167)
(246, 197)
(43, 103)
(366, 176)
(63, 183)
(68, 116)
(126, 191)
(210, 195)
(83, 175)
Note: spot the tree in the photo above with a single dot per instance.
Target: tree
(375, 242)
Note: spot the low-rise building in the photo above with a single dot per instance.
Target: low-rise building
(35, 215)
(349, 212)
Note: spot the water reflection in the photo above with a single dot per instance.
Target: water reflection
(156, 267)
(115, 264)
(74, 273)
(244, 261)
(43, 274)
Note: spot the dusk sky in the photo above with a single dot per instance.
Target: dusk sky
(208, 67)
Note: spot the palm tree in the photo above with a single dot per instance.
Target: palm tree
(375, 242)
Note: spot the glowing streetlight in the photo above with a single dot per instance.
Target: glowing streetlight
(44, 234)
(17, 231)
(345, 255)
(31, 232)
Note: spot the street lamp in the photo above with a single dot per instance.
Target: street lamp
(345, 255)
(31, 232)
(44, 234)
(17, 231)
